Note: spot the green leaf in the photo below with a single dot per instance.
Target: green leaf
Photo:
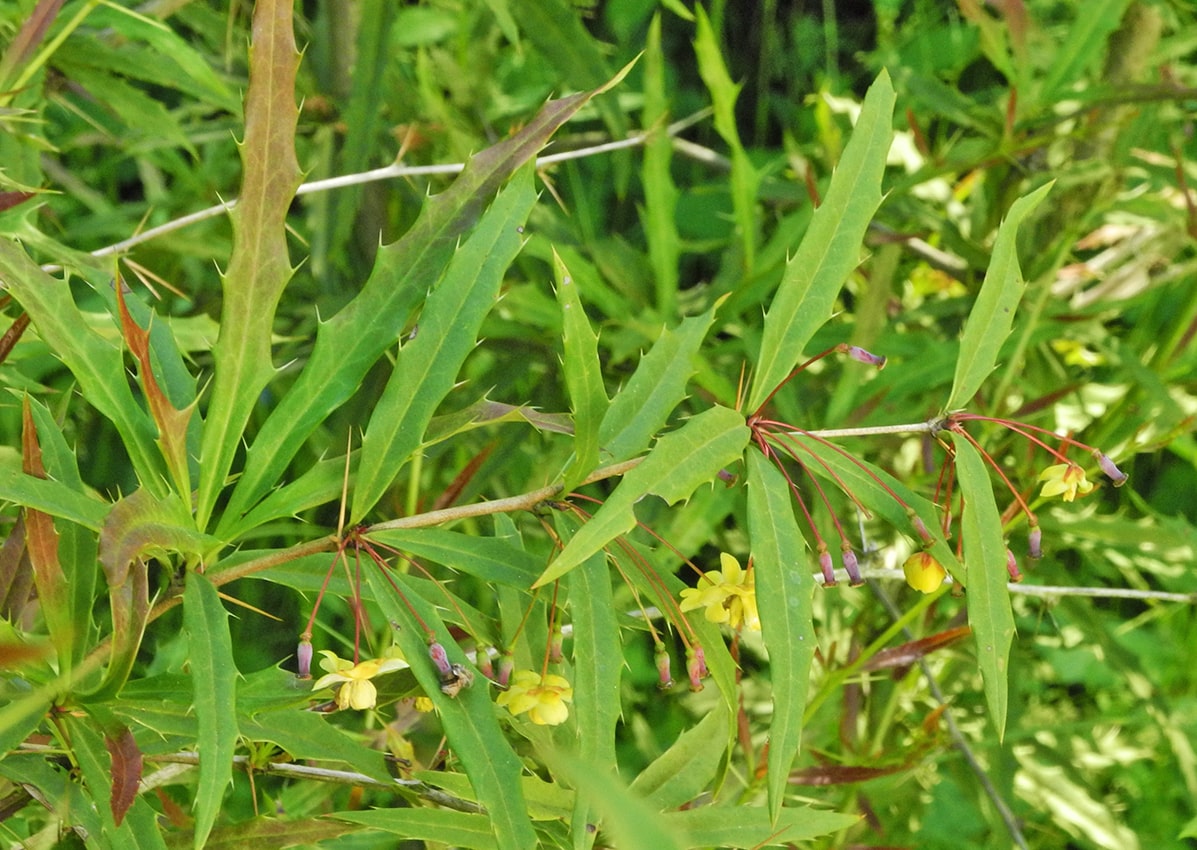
(457, 829)
(687, 768)
(469, 720)
(427, 367)
(627, 819)
(659, 214)
(830, 250)
(52, 497)
(266, 832)
(583, 376)
(992, 317)
(309, 735)
(751, 827)
(641, 408)
(210, 651)
(745, 181)
(96, 363)
(1081, 48)
(137, 526)
(598, 664)
(680, 463)
(352, 341)
(556, 28)
(260, 266)
(989, 612)
(784, 593)
(488, 558)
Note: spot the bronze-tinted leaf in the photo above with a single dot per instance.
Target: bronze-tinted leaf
(126, 771)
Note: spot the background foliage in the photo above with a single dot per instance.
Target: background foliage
(175, 442)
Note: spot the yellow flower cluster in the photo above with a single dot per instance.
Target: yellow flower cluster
(1064, 479)
(543, 699)
(356, 691)
(728, 595)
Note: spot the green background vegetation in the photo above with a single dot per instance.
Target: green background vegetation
(578, 318)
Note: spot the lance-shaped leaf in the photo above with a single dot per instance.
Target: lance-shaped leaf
(139, 526)
(469, 720)
(681, 773)
(749, 827)
(784, 593)
(598, 663)
(642, 407)
(745, 180)
(126, 770)
(679, 464)
(41, 539)
(210, 652)
(658, 217)
(830, 250)
(426, 368)
(992, 316)
(95, 362)
(583, 376)
(353, 340)
(260, 267)
(171, 421)
(989, 612)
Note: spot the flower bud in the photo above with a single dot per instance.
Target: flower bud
(1012, 567)
(303, 658)
(852, 566)
(696, 667)
(923, 572)
(663, 662)
(1111, 471)
(483, 663)
(440, 658)
(1035, 543)
(506, 665)
(861, 356)
(827, 567)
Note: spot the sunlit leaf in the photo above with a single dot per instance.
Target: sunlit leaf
(992, 317)
(215, 677)
(989, 612)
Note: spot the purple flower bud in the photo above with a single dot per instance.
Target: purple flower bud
(506, 665)
(852, 566)
(1035, 543)
(303, 657)
(696, 667)
(828, 569)
(1012, 567)
(440, 658)
(727, 477)
(1112, 472)
(859, 354)
(664, 671)
(483, 663)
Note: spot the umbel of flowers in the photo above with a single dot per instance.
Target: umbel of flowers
(787, 446)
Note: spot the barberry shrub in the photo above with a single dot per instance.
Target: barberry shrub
(493, 473)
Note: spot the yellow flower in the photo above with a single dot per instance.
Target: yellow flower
(923, 572)
(729, 595)
(545, 701)
(1064, 479)
(356, 691)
